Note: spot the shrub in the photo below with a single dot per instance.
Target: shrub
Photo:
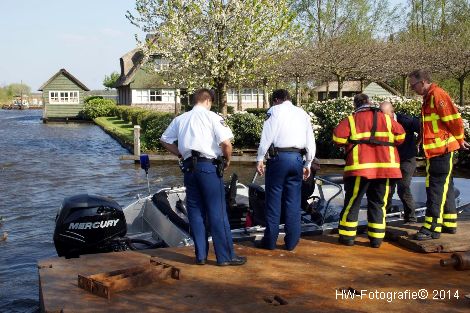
(246, 128)
(89, 98)
(257, 111)
(126, 114)
(98, 107)
(153, 127)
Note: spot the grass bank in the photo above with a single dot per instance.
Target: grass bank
(120, 130)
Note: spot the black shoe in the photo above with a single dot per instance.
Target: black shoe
(449, 230)
(425, 234)
(237, 260)
(375, 243)
(345, 241)
(201, 262)
(261, 245)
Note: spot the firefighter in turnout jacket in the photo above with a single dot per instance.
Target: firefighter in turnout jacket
(369, 137)
(442, 134)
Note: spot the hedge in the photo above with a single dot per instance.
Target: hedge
(97, 107)
(153, 127)
(246, 128)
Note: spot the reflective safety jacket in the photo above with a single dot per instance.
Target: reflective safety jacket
(367, 155)
(442, 126)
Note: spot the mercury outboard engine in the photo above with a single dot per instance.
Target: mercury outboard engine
(89, 224)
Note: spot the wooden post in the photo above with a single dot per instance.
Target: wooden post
(136, 140)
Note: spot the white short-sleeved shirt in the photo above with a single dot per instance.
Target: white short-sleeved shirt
(200, 130)
(287, 126)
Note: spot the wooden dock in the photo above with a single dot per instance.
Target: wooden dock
(314, 278)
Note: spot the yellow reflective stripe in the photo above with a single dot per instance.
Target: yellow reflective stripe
(355, 153)
(432, 102)
(450, 216)
(371, 165)
(400, 137)
(352, 126)
(385, 200)
(427, 226)
(339, 139)
(438, 143)
(446, 187)
(368, 134)
(458, 137)
(429, 219)
(357, 183)
(450, 117)
(438, 229)
(376, 235)
(350, 233)
(348, 224)
(433, 118)
(427, 172)
(376, 226)
(450, 224)
(388, 120)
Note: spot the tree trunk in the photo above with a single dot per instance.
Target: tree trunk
(257, 98)
(239, 99)
(297, 91)
(362, 85)
(177, 104)
(340, 86)
(222, 97)
(327, 90)
(461, 90)
(403, 85)
(265, 94)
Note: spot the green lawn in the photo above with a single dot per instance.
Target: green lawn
(118, 127)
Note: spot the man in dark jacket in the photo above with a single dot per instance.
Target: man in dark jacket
(407, 151)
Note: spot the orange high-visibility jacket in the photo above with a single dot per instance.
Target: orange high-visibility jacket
(370, 160)
(442, 126)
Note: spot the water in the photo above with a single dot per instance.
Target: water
(40, 164)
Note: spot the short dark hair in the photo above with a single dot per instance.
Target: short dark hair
(204, 94)
(360, 99)
(280, 94)
(421, 74)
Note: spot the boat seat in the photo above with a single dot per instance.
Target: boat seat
(160, 200)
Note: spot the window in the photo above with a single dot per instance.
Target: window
(154, 96)
(56, 97)
(161, 64)
(247, 94)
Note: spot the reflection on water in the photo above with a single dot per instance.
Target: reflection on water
(40, 164)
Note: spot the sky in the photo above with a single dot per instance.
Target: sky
(86, 37)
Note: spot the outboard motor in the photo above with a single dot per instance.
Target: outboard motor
(89, 224)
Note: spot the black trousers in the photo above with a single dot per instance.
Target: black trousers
(408, 168)
(377, 192)
(441, 210)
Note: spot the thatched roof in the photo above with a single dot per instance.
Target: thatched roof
(66, 74)
(130, 63)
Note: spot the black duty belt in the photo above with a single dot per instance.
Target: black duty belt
(290, 150)
(200, 159)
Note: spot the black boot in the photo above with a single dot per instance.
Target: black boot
(375, 243)
(346, 241)
(237, 260)
(449, 230)
(426, 234)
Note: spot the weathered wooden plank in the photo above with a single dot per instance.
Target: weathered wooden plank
(403, 235)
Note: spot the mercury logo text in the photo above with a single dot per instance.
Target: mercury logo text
(89, 225)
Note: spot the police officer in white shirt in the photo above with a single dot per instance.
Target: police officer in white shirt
(202, 138)
(288, 135)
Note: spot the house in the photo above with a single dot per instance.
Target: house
(351, 88)
(63, 96)
(139, 87)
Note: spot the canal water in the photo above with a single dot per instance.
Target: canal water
(40, 164)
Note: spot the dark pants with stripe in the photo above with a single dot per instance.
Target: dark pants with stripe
(407, 167)
(441, 211)
(205, 201)
(283, 193)
(377, 192)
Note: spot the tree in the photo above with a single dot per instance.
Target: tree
(215, 43)
(111, 80)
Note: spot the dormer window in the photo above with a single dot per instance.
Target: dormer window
(161, 64)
